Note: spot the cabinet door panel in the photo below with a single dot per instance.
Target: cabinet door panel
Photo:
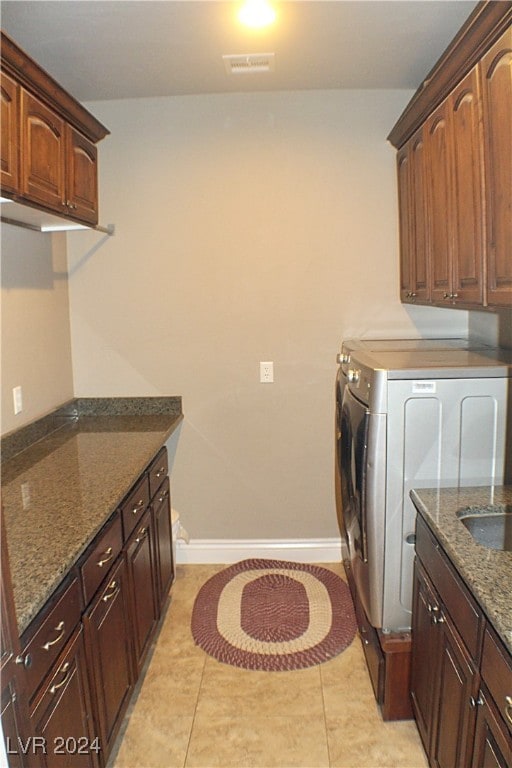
(82, 178)
(163, 543)
(10, 133)
(61, 713)
(439, 199)
(454, 716)
(405, 222)
(43, 152)
(468, 253)
(421, 286)
(109, 652)
(496, 71)
(140, 563)
(425, 653)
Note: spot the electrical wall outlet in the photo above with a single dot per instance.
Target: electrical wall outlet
(17, 400)
(266, 373)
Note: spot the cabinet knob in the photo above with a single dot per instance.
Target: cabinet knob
(476, 702)
(26, 661)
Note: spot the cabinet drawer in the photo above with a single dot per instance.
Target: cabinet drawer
(497, 674)
(101, 557)
(158, 472)
(464, 611)
(134, 506)
(52, 635)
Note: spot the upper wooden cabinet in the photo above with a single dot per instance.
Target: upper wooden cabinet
(496, 74)
(455, 203)
(49, 157)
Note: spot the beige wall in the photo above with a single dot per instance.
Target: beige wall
(36, 344)
(248, 227)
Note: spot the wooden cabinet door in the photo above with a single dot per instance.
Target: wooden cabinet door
(163, 543)
(61, 714)
(81, 177)
(454, 707)
(493, 740)
(405, 222)
(10, 134)
(496, 75)
(43, 152)
(141, 568)
(425, 653)
(468, 192)
(412, 201)
(109, 653)
(420, 260)
(438, 149)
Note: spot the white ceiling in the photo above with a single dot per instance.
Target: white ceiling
(116, 49)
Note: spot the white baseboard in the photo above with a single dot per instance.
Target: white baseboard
(210, 551)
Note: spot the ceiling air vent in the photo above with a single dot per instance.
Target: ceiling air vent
(248, 63)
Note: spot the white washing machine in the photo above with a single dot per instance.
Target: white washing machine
(412, 418)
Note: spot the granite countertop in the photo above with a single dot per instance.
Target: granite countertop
(59, 491)
(487, 572)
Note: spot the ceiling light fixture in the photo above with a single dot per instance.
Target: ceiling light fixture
(256, 14)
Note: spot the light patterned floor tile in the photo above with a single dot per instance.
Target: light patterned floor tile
(194, 712)
(257, 742)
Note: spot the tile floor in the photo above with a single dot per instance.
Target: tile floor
(194, 712)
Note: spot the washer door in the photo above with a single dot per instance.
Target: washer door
(355, 418)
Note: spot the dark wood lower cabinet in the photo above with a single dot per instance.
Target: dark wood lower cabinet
(108, 635)
(461, 672)
(66, 690)
(61, 714)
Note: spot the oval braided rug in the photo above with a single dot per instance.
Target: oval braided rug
(273, 615)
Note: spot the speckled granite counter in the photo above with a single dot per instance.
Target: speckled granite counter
(487, 572)
(58, 492)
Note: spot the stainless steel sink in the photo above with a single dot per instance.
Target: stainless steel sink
(490, 526)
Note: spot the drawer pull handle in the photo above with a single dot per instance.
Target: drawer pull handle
(160, 472)
(476, 702)
(508, 708)
(141, 535)
(107, 552)
(138, 507)
(64, 670)
(59, 628)
(115, 589)
(163, 497)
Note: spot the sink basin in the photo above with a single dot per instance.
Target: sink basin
(490, 526)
